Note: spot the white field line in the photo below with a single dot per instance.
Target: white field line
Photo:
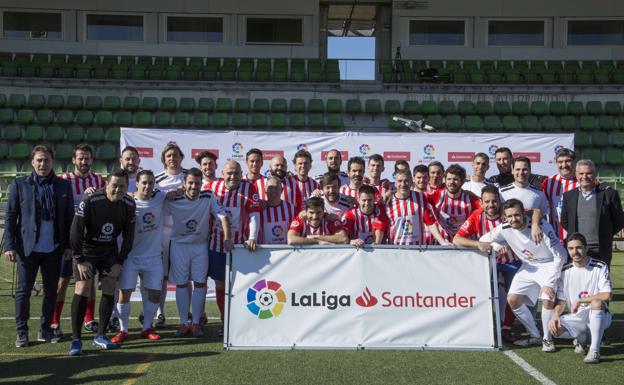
(539, 376)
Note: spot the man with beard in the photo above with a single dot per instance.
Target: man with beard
(480, 166)
(277, 168)
(436, 177)
(130, 161)
(316, 228)
(503, 158)
(367, 223)
(333, 160)
(83, 182)
(207, 162)
(555, 186)
(335, 203)
(298, 187)
(276, 217)
(355, 167)
(421, 178)
(479, 223)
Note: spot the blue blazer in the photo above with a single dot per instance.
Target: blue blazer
(20, 230)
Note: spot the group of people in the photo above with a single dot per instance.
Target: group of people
(177, 226)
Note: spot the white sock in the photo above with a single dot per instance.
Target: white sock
(596, 320)
(149, 311)
(182, 302)
(163, 298)
(144, 299)
(199, 298)
(546, 314)
(526, 318)
(124, 315)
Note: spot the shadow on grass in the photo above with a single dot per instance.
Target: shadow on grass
(60, 369)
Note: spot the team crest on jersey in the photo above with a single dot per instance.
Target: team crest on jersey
(583, 294)
(191, 225)
(108, 228)
(277, 231)
(528, 254)
(295, 224)
(408, 227)
(148, 219)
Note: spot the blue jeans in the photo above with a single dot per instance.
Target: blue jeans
(27, 268)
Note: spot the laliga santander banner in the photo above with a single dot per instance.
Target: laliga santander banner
(413, 147)
(341, 297)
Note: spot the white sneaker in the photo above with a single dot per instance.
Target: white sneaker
(528, 341)
(578, 347)
(592, 357)
(548, 346)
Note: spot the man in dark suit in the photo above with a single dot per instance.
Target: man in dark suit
(594, 211)
(37, 226)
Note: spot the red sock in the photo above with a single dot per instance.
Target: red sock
(58, 310)
(220, 294)
(509, 316)
(90, 315)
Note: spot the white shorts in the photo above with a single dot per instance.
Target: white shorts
(189, 261)
(577, 324)
(150, 268)
(530, 279)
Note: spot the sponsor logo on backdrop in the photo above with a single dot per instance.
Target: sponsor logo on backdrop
(558, 148)
(429, 151)
(269, 154)
(365, 149)
(237, 151)
(460, 156)
(145, 152)
(266, 299)
(367, 299)
(492, 150)
(393, 156)
(302, 146)
(344, 154)
(534, 157)
(196, 151)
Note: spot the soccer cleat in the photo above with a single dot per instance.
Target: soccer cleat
(91, 326)
(507, 335)
(160, 323)
(120, 337)
(56, 329)
(592, 357)
(196, 330)
(528, 341)
(113, 326)
(548, 346)
(21, 340)
(183, 330)
(75, 348)
(103, 342)
(150, 335)
(47, 336)
(578, 347)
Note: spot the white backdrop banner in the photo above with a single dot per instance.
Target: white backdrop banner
(415, 148)
(341, 297)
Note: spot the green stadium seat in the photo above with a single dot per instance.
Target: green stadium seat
(411, 107)
(484, 108)
(549, 123)
(25, 116)
(352, 106)
(259, 120)
(84, 71)
(64, 117)
(466, 107)
(530, 123)
(372, 106)
(613, 108)
(168, 104)
(123, 119)
(74, 102)
(592, 153)
(208, 105)
(181, 119)
(260, 105)
(113, 135)
(11, 132)
(297, 120)
(392, 107)
(137, 72)
(599, 138)
(54, 134)
(103, 118)
(3, 100)
(94, 134)
(569, 123)
(149, 103)
(335, 121)
(454, 123)
(581, 139)
(520, 108)
(33, 133)
(279, 105)
(428, 107)
(241, 105)
(613, 156)
(20, 151)
(59, 168)
(119, 71)
(575, 108)
(35, 101)
(202, 120)
(557, 108)
(45, 117)
(84, 118)
(100, 167)
(75, 134)
(492, 123)
(240, 120)
(501, 108)
(10, 69)
(315, 106)
(142, 119)
(107, 152)
(130, 103)
(224, 105)
(173, 72)
(298, 106)
(278, 120)
(187, 104)
(111, 103)
(162, 119)
(606, 122)
(445, 107)
(394, 125)
(28, 70)
(220, 119)
(594, 108)
(4, 151)
(8, 168)
(473, 122)
(436, 121)
(617, 138)
(588, 122)
(93, 103)
(316, 120)
(16, 101)
(539, 108)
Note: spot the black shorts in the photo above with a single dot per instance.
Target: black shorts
(101, 265)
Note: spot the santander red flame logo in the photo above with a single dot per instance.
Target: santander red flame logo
(367, 299)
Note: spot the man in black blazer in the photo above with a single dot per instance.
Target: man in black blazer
(594, 211)
(37, 226)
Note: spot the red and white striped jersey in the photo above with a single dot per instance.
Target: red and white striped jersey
(361, 226)
(238, 204)
(209, 184)
(346, 189)
(553, 188)
(80, 184)
(407, 219)
(452, 212)
(296, 191)
(275, 222)
(304, 229)
(479, 224)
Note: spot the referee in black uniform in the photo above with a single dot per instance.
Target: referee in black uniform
(99, 219)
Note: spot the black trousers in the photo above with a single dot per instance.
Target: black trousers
(27, 268)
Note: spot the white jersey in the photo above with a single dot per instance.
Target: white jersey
(474, 187)
(148, 229)
(548, 251)
(166, 182)
(337, 208)
(578, 282)
(191, 218)
(530, 196)
(344, 178)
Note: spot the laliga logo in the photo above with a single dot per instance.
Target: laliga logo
(407, 226)
(558, 147)
(267, 173)
(277, 231)
(583, 294)
(429, 150)
(148, 218)
(302, 146)
(367, 299)
(107, 228)
(237, 148)
(191, 225)
(365, 149)
(266, 299)
(492, 149)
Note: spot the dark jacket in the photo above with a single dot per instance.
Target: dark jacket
(20, 230)
(610, 219)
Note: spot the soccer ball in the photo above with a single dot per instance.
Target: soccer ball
(266, 299)
(36, 289)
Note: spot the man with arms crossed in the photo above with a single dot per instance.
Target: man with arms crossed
(367, 223)
(316, 229)
(99, 220)
(585, 288)
(538, 275)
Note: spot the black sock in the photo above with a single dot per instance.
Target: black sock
(106, 309)
(78, 311)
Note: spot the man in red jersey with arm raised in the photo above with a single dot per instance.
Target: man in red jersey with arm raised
(367, 223)
(555, 186)
(316, 229)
